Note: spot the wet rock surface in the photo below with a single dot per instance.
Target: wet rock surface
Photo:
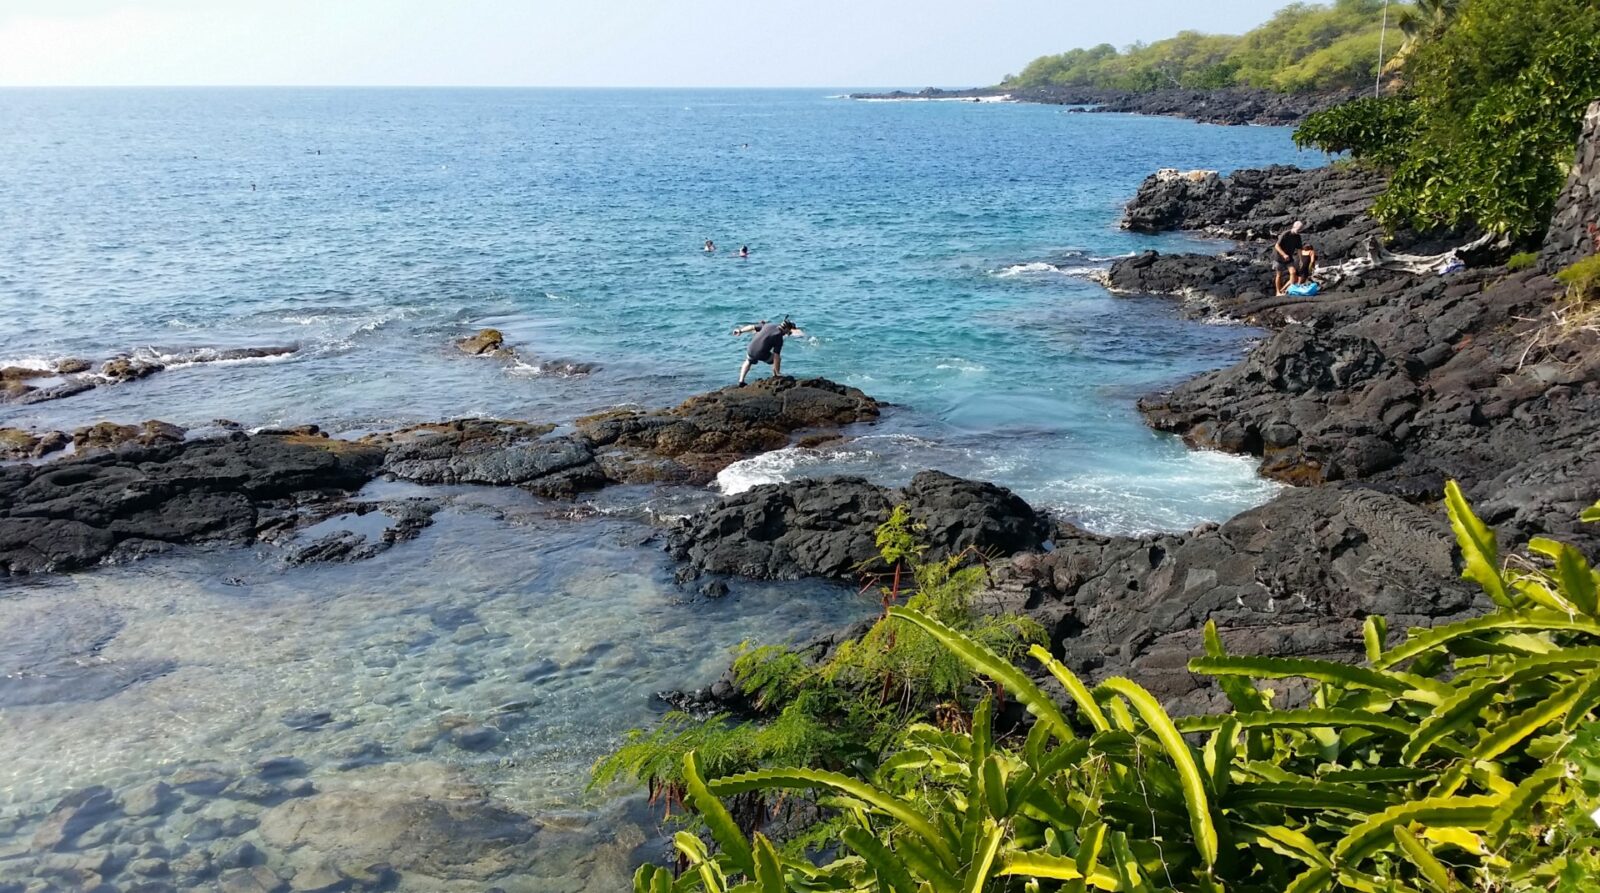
(69, 377)
(825, 527)
(491, 343)
(79, 511)
(132, 490)
(1295, 577)
(689, 443)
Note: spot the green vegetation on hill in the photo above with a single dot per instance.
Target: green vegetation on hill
(1481, 131)
(1303, 47)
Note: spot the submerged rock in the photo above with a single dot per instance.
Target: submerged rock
(420, 819)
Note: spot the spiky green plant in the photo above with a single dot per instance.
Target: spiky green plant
(844, 712)
(1462, 758)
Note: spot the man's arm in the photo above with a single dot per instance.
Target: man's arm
(796, 333)
(1278, 247)
(745, 330)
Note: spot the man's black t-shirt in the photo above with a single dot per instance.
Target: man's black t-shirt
(768, 341)
(1289, 243)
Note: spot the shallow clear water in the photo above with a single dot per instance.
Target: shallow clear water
(934, 253)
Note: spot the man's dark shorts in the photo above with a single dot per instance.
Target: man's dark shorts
(764, 356)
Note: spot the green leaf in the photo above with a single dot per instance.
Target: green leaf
(808, 779)
(1418, 854)
(883, 862)
(1456, 713)
(1194, 792)
(1315, 718)
(1074, 686)
(1585, 704)
(1282, 840)
(994, 787)
(1241, 694)
(925, 862)
(1303, 667)
(1219, 755)
(724, 830)
(1312, 880)
(1368, 837)
(1591, 514)
(984, 857)
(1090, 841)
(1480, 553)
(1572, 572)
(1373, 633)
(1509, 732)
(1057, 868)
(986, 662)
(1420, 641)
(1307, 795)
(769, 871)
(1517, 806)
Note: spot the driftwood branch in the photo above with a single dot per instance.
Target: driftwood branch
(1381, 258)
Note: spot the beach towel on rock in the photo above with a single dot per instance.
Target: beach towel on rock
(1302, 289)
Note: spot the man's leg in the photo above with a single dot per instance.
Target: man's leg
(777, 362)
(1277, 279)
(744, 370)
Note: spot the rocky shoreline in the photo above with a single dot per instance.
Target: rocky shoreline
(136, 490)
(1366, 399)
(1229, 106)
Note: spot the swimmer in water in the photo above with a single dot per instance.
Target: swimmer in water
(744, 250)
(710, 245)
(766, 346)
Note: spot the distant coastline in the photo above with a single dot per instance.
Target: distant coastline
(1224, 106)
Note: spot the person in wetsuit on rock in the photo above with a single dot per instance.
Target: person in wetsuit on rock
(766, 346)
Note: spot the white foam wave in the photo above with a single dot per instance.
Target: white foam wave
(962, 365)
(209, 356)
(991, 99)
(768, 468)
(46, 364)
(1037, 268)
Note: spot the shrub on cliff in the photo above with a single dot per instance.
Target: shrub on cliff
(1464, 757)
(1493, 105)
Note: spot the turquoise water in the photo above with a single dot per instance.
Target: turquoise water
(935, 253)
(931, 250)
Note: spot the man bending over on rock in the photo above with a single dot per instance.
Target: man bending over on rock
(766, 346)
(1284, 255)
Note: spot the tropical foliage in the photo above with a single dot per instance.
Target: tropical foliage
(1462, 757)
(1303, 47)
(1494, 96)
(844, 711)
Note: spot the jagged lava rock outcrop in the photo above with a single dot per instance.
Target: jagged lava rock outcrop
(824, 527)
(1575, 226)
(689, 443)
(140, 498)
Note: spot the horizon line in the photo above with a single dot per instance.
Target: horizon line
(857, 87)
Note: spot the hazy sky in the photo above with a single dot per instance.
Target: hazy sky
(909, 43)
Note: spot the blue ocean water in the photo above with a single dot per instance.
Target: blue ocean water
(933, 251)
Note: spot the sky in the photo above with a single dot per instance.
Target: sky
(595, 43)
